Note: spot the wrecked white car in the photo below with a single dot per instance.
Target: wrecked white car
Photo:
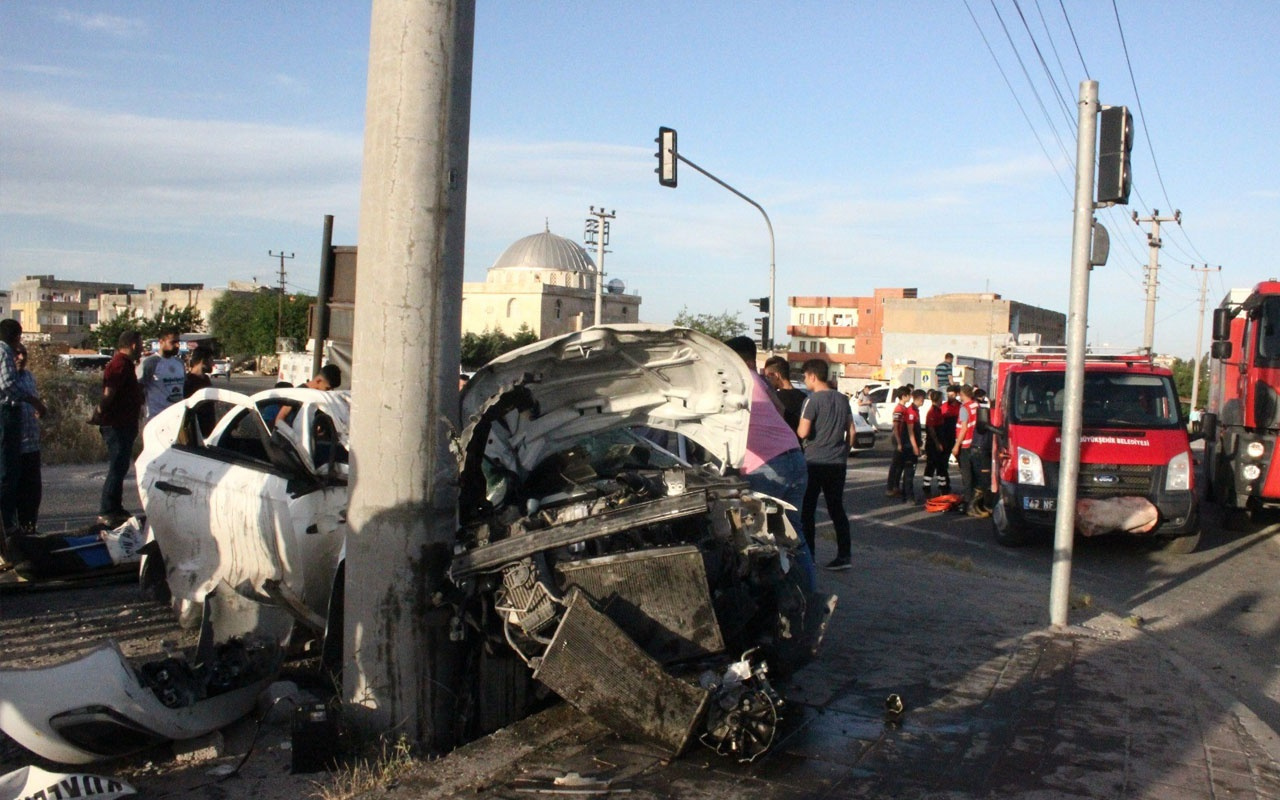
(657, 596)
(248, 520)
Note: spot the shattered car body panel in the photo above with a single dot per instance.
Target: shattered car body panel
(615, 570)
(98, 706)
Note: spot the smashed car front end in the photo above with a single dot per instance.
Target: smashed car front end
(656, 596)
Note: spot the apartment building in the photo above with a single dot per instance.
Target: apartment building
(59, 311)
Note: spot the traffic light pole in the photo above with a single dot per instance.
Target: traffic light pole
(772, 266)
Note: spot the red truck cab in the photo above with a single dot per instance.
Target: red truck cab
(1241, 423)
(1135, 456)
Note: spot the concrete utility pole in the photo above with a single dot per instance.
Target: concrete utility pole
(401, 673)
(598, 234)
(280, 305)
(1153, 267)
(1064, 530)
(1204, 290)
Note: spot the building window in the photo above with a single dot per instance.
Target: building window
(800, 342)
(558, 309)
(624, 312)
(511, 308)
(822, 347)
(841, 347)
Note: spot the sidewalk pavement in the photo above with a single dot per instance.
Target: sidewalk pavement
(996, 705)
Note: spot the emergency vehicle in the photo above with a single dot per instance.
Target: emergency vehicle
(1135, 458)
(1242, 416)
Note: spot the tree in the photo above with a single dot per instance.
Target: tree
(1183, 374)
(107, 334)
(721, 326)
(184, 320)
(245, 323)
(479, 349)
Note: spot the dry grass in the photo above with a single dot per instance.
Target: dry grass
(377, 774)
(65, 435)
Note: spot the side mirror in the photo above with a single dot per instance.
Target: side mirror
(1222, 324)
(1208, 427)
(1220, 350)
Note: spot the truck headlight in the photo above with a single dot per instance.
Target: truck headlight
(1251, 472)
(1030, 469)
(1178, 476)
(1255, 449)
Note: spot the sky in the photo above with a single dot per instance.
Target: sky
(892, 144)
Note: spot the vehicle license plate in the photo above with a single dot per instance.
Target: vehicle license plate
(1039, 503)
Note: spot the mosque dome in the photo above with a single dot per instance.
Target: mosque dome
(546, 251)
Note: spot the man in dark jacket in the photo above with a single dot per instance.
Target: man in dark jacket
(121, 406)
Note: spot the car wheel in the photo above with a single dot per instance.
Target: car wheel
(1180, 545)
(1009, 532)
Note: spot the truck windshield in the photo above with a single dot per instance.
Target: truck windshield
(1111, 399)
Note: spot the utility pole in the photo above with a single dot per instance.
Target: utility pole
(1153, 267)
(597, 233)
(1064, 530)
(402, 671)
(280, 304)
(1204, 290)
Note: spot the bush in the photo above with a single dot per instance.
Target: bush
(65, 435)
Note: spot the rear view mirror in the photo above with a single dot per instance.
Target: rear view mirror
(1220, 350)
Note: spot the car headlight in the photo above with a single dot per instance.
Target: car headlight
(1030, 468)
(1178, 476)
(1255, 449)
(1251, 472)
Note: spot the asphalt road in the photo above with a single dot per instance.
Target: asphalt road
(1219, 607)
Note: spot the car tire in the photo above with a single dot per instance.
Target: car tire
(1009, 532)
(1179, 545)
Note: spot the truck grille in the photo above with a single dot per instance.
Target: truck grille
(1110, 480)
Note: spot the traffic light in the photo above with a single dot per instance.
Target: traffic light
(762, 331)
(666, 157)
(1115, 142)
(761, 303)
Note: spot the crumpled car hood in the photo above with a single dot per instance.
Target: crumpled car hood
(585, 382)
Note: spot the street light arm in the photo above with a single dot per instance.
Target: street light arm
(768, 223)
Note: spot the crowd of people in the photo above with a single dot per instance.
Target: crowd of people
(950, 429)
(814, 427)
(134, 390)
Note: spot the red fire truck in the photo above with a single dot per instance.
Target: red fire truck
(1243, 413)
(1135, 458)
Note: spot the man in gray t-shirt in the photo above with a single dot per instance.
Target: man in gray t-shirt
(826, 429)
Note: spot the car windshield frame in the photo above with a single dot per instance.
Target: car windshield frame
(1112, 399)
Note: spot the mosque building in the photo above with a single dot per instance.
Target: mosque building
(548, 283)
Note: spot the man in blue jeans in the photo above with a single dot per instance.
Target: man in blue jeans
(12, 398)
(120, 408)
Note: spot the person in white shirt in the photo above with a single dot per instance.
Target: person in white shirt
(162, 375)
